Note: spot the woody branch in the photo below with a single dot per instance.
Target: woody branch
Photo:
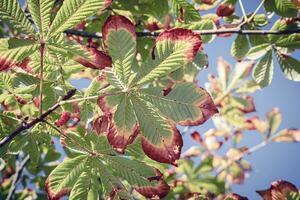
(201, 32)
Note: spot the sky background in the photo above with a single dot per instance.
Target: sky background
(276, 160)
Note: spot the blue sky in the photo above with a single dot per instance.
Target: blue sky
(276, 160)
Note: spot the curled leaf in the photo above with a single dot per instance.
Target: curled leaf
(99, 60)
(101, 124)
(279, 190)
(119, 139)
(169, 149)
(157, 191)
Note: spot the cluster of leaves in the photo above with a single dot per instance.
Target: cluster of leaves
(219, 149)
(121, 133)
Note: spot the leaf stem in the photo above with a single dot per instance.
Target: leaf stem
(42, 50)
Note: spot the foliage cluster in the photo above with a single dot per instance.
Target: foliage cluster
(121, 137)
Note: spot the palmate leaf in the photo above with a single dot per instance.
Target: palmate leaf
(14, 50)
(118, 32)
(79, 175)
(174, 48)
(11, 12)
(135, 110)
(40, 11)
(72, 12)
(186, 104)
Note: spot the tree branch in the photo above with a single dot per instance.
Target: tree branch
(17, 176)
(202, 32)
(25, 126)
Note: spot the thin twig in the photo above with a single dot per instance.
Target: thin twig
(256, 11)
(80, 99)
(89, 97)
(243, 10)
(17, 176)
(25, 126)
(201, 32)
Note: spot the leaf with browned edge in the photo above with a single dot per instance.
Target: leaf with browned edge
(173, 49)
(161, 140)
(186, 104)
(123, 128)
(118, 31)
(279, 190)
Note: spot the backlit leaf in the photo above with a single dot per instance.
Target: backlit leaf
(174, 48)
(263, 70)
(120, 40)
(11, 12)
(72, 12)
